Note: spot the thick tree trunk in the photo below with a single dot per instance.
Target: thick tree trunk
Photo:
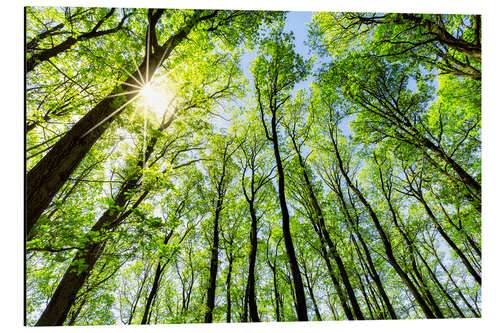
(56, 311)
(47, 177)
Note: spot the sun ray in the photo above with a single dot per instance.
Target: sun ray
(120, 82)
(138, 70)
(111, 115)
(137, 91)
(132, 76)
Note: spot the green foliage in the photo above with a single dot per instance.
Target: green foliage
(388, 130)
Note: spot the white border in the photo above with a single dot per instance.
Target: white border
(11, 198)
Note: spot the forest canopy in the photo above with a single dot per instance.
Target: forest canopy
(187, 166)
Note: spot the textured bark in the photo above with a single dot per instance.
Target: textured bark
(47, 177)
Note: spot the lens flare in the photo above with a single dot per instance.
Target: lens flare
(155, 98)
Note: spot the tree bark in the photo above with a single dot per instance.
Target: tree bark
(214, 263)
(64, 296)
(252, 299)
(301, 307)
(47, 177)
(228, 290)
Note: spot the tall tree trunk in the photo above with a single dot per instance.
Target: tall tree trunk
(372, 270)
(301, 307)
(134, 304)
(252, 299)
(448, 240)
(441, 287)
(47, 177)
(367, 274)
(152, 292)
(156, 281)
(385, 241)
(365, 296)
(228, 290)
(326, 257)
(332, 250)
(64, 296)
(386, 189)
(214, 264)
(457, 288)
(276, 292)
(311, 294)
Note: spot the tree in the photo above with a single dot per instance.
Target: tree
(275, 75)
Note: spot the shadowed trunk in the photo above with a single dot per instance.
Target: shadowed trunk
(301, 307)
(65, 294)
(47, 177)
(252, 300)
